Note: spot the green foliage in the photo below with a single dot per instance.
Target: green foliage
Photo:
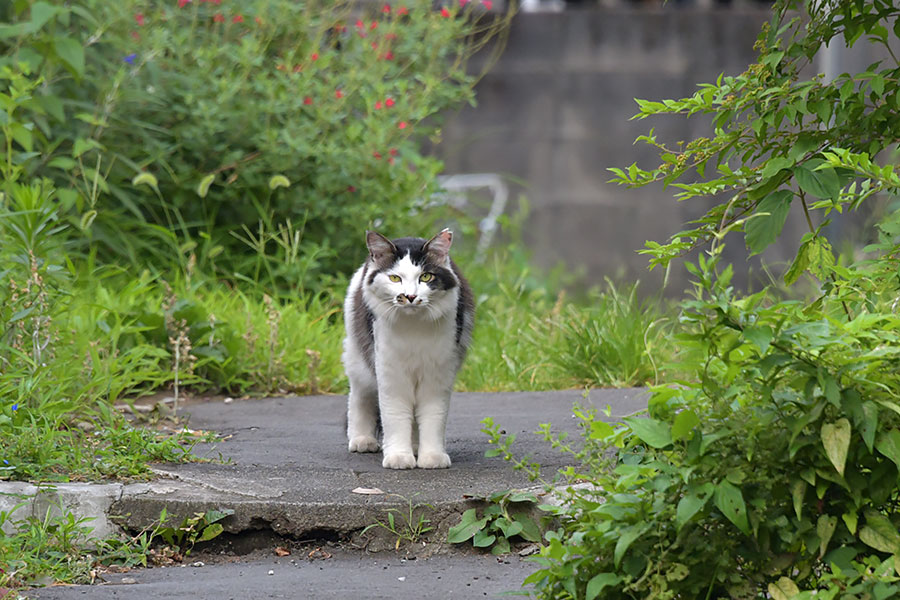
(187, 130)
(506, 518)
(407, 526)
(770, 467)
(201, 527)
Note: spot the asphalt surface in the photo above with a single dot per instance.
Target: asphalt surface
(283, 468)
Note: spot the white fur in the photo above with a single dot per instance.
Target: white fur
(416, 360)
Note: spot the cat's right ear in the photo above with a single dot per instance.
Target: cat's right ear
(381, 249)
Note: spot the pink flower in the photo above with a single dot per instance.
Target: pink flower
(298, 68)
(338, 94)
(402, 11)
(378, 105)
(373, 25)
(307, 101)
(463, 2)
(386, 9)
(135, 35)
(216, 2)
(390, 36)
(487, 4)
(237, 19)
(402, 125)
(389, 102)
(182, 3)
(391, 161)
(374, 45)
(351, 188)
(139, 17)
(219, 18)
(360, 24)
(377, 154)
(388, 55)
(393, 152)
(445, 13)
(315, 56)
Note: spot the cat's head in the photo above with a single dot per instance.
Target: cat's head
(412, 274)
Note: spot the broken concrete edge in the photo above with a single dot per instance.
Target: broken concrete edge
(111, 509)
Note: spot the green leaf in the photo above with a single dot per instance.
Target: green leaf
(730, 501)
(879, 533)
(870, 425)
(783, 589)
(684, 424)
(822, 183)
(598, 582)
(888, 443)
(467, 527)
(798, 490)
(825, 527)
(72, 53)
(210, 532)
(654, 433)
(626, 539)
(278, 181)
(836, 440)
(850, 520)
(800, 263)
(203, 187)
(760, 336)
(766, 224)
(62, 163)
(688, 506)
(530, 529)
(483, 539)
(87, 219)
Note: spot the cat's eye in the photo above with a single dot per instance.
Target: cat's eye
(394, 278)
(426, 277)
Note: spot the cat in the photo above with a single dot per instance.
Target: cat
(408, 314)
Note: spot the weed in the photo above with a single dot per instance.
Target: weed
(201, 527)
(407, 526)
(506, 518)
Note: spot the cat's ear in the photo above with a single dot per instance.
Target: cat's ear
(381, 249)
(438, 247)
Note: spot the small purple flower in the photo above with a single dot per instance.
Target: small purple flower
(130, 58)
(16, 406)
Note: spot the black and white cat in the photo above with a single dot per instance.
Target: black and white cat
(409, 314)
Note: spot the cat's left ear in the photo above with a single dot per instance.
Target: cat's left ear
(438, 247)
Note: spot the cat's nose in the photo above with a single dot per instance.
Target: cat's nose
(410, 297)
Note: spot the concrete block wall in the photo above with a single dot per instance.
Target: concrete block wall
(554, 112)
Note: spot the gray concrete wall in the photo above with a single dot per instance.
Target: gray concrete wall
(554, 113)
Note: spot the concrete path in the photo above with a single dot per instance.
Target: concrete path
(284, 467)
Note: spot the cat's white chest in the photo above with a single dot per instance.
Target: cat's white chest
(414, 347)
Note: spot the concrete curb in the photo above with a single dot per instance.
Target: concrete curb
(89, 502)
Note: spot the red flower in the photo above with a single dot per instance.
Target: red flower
(402, 125)
(135, 35)
(463, 2)
(389, 102)
(351, 188)
(445, 13)
(378, 105)
(391, 161)
(393, 152)
(298, 68)
(219, 18)
(373, 25)
(374, 45)
(377, 154)
(182, 3)
(487, 4)
(390, 36)
(387, 9)
(360, 24)
(307, 101)
(237, 19)
(315, 56)
(402, 11)
(139, 17)
(338, 94)
(388, 55)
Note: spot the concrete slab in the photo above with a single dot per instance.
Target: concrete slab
(87, 501)
(287, 467)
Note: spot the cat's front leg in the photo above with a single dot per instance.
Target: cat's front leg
(431, 418)
(397, 421)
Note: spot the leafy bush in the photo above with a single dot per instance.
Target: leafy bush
(286, 127)
(771, 469)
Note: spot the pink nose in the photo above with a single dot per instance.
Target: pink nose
(410, 297)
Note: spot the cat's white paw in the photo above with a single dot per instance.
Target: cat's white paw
(399, 461)
(434, 460)
(364, 443)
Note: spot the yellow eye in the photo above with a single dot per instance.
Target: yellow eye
(394, 278)
(426, 277)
